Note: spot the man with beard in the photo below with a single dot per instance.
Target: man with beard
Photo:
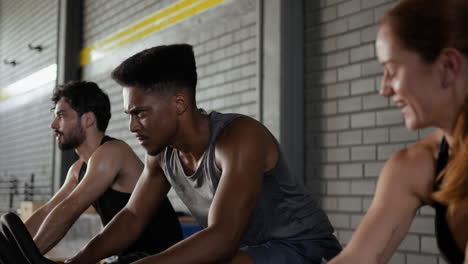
(227, 168)
(104, 176)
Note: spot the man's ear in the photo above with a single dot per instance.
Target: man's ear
(450, 61)
(181, 102)
(88, 119)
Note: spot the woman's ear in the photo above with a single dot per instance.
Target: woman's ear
(451, 61)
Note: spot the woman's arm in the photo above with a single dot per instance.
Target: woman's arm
(404, 185)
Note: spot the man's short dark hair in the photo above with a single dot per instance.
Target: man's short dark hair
(85, 97)
(157, 68)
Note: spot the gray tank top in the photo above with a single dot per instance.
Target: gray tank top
(284, 209)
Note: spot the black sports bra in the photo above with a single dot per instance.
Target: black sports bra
(445, 241)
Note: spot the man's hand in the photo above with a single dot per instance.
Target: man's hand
(69, 261)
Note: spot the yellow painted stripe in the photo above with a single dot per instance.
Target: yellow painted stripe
(3, 96)
(156, 22)
(172, 20)
(127, 31)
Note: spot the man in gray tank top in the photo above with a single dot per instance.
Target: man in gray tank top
(227, 168)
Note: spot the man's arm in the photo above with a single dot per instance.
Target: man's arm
(33, 223)
(241, 153)
(103, 167)
(466, 255)
(128, 224)
(404, 185)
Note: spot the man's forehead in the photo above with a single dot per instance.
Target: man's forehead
(134, 97)
(132, 91)
(126, 95)
(130, 101)
(62, 105)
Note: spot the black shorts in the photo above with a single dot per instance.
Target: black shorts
(293, 252)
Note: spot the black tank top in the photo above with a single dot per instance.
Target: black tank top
(445, 241)
(161, 232)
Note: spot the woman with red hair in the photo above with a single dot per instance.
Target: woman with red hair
(422, 46)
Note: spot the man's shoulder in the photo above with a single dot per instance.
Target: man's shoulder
(242, 125)
(113, 151)
(247, 135)
(233, 121)
(114, 146)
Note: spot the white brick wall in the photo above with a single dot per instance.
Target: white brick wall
(20, 27)
(25, 138)
(103, 17)
(224, 40)
(350, 130)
